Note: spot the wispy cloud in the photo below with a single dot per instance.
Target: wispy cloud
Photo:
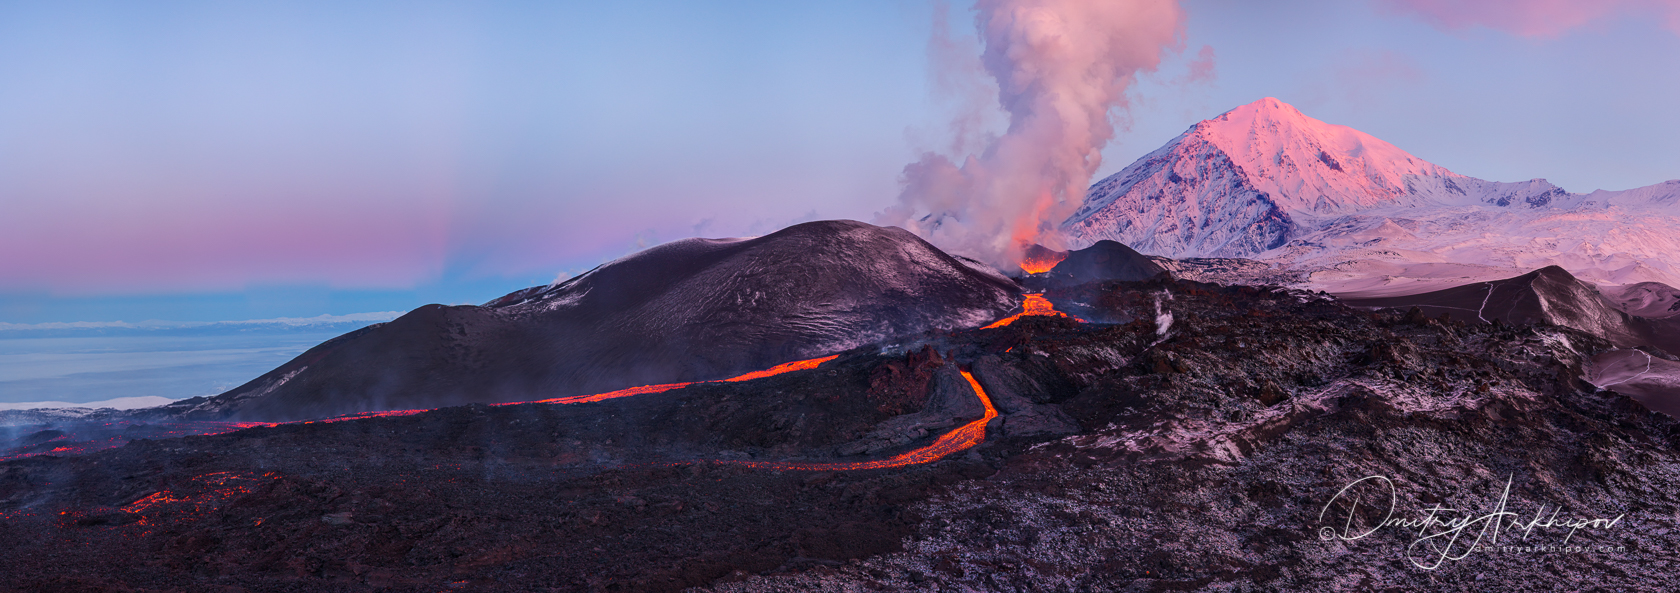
(1531, 18)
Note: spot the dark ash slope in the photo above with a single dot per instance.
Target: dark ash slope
(1103, 260)
(690, 310)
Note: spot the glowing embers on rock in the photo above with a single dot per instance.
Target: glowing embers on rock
(961, 439)
(361, 415)
(199, 497)
(1032, 304)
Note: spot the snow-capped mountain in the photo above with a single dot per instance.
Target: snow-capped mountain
(1264, 181)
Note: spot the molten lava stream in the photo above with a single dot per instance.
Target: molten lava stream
(1032, 304)
(964, 437)
(797, 365)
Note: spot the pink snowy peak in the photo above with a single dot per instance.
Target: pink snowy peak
(1309, 165)
(1266, 181)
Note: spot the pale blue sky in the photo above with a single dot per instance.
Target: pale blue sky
(221, 160)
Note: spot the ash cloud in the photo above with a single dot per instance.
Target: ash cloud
(1061, 67)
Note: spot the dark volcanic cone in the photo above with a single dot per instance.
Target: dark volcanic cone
(1549, 295)
(1105, 260)
(690, 310)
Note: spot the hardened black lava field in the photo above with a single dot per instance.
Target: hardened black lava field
(1175, 436)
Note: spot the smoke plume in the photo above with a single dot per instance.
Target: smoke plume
(1061, 67)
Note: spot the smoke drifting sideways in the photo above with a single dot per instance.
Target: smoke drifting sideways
(1062, 67)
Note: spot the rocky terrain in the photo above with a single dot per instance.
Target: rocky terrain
(1188, 436)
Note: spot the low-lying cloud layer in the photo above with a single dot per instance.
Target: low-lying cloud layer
(1533, 18)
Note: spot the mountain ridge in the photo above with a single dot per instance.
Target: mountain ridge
(1266, 182)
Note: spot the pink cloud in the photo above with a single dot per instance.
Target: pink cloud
(1201, 68)
(1531, 18)
(163, 241)
(1364, 75)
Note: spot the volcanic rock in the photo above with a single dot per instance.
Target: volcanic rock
(1011, 391)
(951, 401)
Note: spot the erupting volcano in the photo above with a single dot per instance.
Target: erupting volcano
(1039, 259)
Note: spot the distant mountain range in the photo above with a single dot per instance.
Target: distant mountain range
(318, 323)
(1358, 215)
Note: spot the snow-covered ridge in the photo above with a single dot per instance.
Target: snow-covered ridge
(1265, 181)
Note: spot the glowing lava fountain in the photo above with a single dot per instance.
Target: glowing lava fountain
(1032, 304)
(1039, 259)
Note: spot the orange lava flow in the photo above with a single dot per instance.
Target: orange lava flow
(798, 365)
(964, 437)
(583, 399)
(1033, 304)
(361, 415)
